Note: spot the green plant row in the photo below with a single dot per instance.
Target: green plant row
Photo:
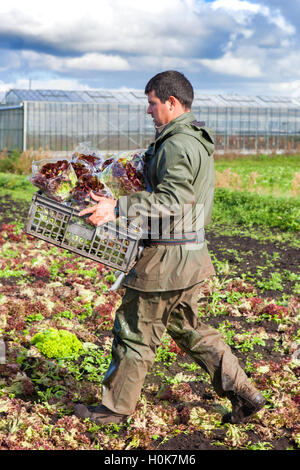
(230, 206)
(275, 175)
(256, 209)
(16, 186)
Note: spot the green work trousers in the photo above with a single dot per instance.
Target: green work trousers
(139, 325)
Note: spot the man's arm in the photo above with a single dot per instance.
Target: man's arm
(175, 174)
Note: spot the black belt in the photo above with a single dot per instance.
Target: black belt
(190, 237)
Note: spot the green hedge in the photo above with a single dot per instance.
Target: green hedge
(10, 181)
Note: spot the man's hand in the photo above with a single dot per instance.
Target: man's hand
(101, 212)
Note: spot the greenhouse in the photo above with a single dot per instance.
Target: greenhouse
(57, 120)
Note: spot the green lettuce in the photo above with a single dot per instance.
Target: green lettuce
(55, 343)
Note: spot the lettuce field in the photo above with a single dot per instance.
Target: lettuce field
(56, 315)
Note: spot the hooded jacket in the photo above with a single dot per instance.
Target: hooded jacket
(180, 171)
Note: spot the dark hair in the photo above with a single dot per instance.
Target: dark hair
(171, 83)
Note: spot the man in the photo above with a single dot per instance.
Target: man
(161, 289)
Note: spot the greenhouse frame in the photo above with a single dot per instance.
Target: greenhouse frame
(111, 120)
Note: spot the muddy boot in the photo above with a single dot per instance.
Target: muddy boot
(98, 414)
(246, 402)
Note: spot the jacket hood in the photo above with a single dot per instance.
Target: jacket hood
(187, 124)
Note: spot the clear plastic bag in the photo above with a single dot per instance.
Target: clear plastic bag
(71, 181)
(124, 174)
(87, 155)
(87, 162)
(55, 177)
(81, 193)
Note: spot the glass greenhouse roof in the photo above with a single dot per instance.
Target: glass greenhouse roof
(137, 97)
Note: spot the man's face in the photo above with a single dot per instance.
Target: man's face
(160, 112)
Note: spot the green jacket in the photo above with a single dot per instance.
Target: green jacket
(180, 170)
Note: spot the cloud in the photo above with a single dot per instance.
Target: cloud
(291, 88)
(9, 59)
(87, 62)
(236, 43)
(172, 28)
(104, 26)
(244, 11)
(168, 28)
(230, 65)
(46, 83)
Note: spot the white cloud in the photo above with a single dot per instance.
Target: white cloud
(244, 12)
(162, 62)
(92, 61)
(231, 65)
(236, 5)
(95, 61)
(168, 28)
(105, 25)
(290, 88)
(253, 42)
(46, 84)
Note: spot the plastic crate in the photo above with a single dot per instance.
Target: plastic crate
(56, 223)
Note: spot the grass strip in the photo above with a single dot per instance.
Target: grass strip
(243, 208)
(16, 186)
(230, 206)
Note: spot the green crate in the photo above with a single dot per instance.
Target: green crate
(56, 223)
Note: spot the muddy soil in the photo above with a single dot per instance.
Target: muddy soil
(243, 255)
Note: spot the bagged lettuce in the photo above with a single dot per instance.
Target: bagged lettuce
(124, 174)
(85, 154)
(86, 183)
(55, 177)
(72, 181)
